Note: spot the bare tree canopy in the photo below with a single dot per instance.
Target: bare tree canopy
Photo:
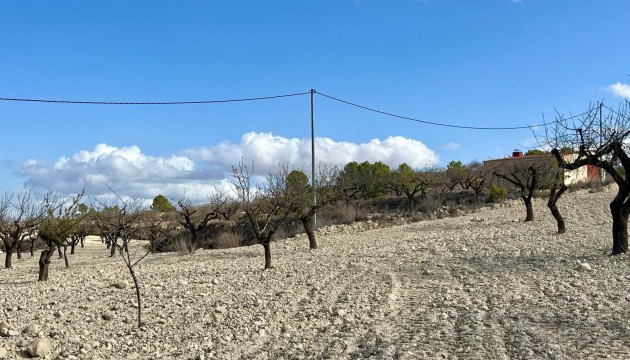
(20, 215)
(598, 137)
(266, 206)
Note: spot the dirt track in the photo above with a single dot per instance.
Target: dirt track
(480, 286)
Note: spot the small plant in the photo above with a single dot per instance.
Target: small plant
(496, 193)
(228, 240)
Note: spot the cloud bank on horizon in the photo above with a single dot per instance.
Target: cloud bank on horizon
(197, 172)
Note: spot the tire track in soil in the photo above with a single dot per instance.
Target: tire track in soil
(313, 306)
(415, 320)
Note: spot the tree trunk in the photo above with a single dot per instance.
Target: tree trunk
(619, 228)
(83, 242)
(559, 219)
(112, 248)
(19, 251)
(73, 244)
(551, 203)
(308, 229)
(65, 257)
(59, 252)
(136, 284)
(44, 261)
(32, 247)
(267, 246)
(412, 204)
(529, 208)
(193, 242)
(477, 192)
(8, 256)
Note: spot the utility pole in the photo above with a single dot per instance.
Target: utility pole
(313, 158)
(602, 173)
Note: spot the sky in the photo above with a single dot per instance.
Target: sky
(492, 63)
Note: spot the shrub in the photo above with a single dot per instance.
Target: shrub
(341, 214)
(228, 240)
(496, 193)
(429, 204)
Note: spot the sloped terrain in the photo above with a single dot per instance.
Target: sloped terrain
(479, 286)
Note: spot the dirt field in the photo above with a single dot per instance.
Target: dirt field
(479, 286)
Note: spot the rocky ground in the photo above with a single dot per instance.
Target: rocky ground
(478, 286)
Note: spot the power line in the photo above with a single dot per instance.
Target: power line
(432, 122)
(152, 103)
(83, 102)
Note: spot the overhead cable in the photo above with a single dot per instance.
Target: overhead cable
(152, 103)
(436, 123)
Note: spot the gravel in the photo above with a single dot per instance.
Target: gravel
(477, 286)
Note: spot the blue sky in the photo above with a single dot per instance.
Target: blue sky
(496, 63)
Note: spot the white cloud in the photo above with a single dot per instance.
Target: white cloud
(452, 146)
(126, 170)
(196, 172)
(620, 90)
(267, 151)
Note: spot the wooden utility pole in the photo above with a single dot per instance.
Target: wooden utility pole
(602, 173)
(313, 158)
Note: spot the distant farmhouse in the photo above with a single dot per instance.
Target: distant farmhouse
(584, 174)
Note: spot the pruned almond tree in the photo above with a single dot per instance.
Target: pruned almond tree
(598, 137)
(20, 215)
(468, 177)
(223, 204)
(529, 177)
(194, 218)
(59, 225)
(126, 224)
(266, 206)
(411, 183)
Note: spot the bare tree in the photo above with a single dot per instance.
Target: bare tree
(474, 178)
(20, 214)
(555, 193)
(266, 206)
(103, 216)
(126, 224)
(223, 204)
(195, 219)
(161, 229)
(78, 236)
(60, 224)
(529, 176)
(599, 137)
(468, 177)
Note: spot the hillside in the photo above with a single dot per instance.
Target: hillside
(479, 286)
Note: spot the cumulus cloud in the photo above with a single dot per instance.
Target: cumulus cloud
(267, 151)
(195, 173)
(124, 169)
(620, 90)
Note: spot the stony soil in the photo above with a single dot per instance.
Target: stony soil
(478, 286)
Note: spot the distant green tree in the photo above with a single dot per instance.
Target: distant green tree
(454, 174)
(365, 180)
(300, 194)
(411, 183)
(160, 203)
(535, 152)
(83, 209)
